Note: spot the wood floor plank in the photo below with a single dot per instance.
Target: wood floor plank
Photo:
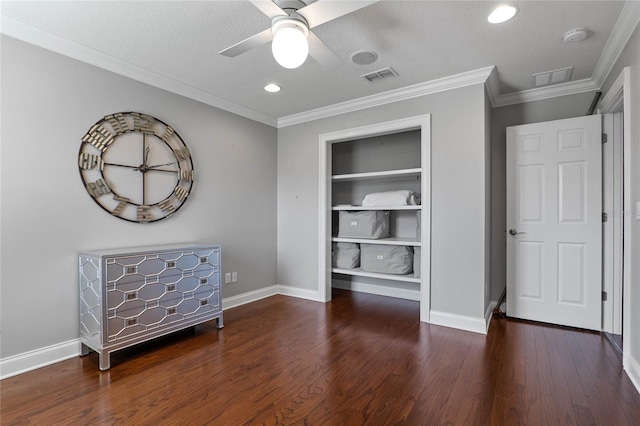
(358, 360)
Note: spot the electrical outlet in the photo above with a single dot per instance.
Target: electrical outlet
(234, 277)
(227, 278)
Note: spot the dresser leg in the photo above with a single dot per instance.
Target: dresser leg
(219, 323)
(104, 360)
(84, 349)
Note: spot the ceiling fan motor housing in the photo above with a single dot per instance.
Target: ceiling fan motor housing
(293, 20)
(292, 4)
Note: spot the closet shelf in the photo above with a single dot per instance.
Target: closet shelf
(394, 241)
(354, 208)
(387, 175)
(410, 278)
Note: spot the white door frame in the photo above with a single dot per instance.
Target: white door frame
(422, 123)
(620, 94)
(612, 229)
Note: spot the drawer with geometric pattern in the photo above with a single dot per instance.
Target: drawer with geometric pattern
(130, 296)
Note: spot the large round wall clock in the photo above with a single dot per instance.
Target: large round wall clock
(136, 167)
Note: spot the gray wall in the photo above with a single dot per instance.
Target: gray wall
(48, 102)
(630, 57)
(501, 118)
(457, 185)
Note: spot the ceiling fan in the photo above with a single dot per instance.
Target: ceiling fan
(291, 21)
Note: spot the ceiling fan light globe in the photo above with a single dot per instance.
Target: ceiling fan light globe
(290, 47)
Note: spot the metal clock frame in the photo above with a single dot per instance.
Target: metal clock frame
(105, 132)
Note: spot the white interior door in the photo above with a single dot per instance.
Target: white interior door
(554, 221)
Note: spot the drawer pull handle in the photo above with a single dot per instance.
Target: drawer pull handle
(171, 311)
(204, 302)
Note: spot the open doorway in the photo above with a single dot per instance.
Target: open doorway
(617, 203)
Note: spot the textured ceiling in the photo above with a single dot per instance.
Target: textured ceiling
(421, 40)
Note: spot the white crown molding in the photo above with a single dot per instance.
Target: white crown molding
(32, 35)
(434, 86)
(625, 25)
(540, 93)
(613, 99)
(492, 86)
(622, 30)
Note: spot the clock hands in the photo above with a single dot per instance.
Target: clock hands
(160, 165)
(144, 168)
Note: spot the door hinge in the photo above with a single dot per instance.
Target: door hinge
(605, 217)
(604, 296)
(605, 139)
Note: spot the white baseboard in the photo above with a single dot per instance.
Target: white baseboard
(489, 314)
(28, 361)
(462, 322)
(379, 290)
(251, 296)
(32, 360)
(300, 293)
(21, 363)
(632, 368)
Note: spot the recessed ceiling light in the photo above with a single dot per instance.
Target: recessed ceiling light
(363, 57)
(272, 88)
(502, 14)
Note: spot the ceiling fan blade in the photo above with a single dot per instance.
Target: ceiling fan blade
(321, 53)
(269, 8)
(245, 45)
(324, 11)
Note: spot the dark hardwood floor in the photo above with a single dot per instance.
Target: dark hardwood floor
(361, 359)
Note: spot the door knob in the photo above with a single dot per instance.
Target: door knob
(514, 232)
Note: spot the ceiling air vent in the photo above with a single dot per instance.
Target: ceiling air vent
(552, 77)
(380, 75)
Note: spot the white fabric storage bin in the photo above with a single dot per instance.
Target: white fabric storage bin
(386, 259)
(371, 224)
(345, 255)
(401, 197)
(416, 262)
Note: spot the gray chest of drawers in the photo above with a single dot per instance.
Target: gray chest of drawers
(128, 296)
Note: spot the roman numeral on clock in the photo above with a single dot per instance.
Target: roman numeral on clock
(167, 206)
(122, 202)
(168, 133)
(187, 175)
(88, 161)
(144, 213)
(118, 123)
(182, 153)
(98, 188)
(99, 137)
(181, 193)
(143, 122)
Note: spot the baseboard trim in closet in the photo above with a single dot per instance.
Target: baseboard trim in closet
(379, 290)
(300, 293)
(461, 322)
